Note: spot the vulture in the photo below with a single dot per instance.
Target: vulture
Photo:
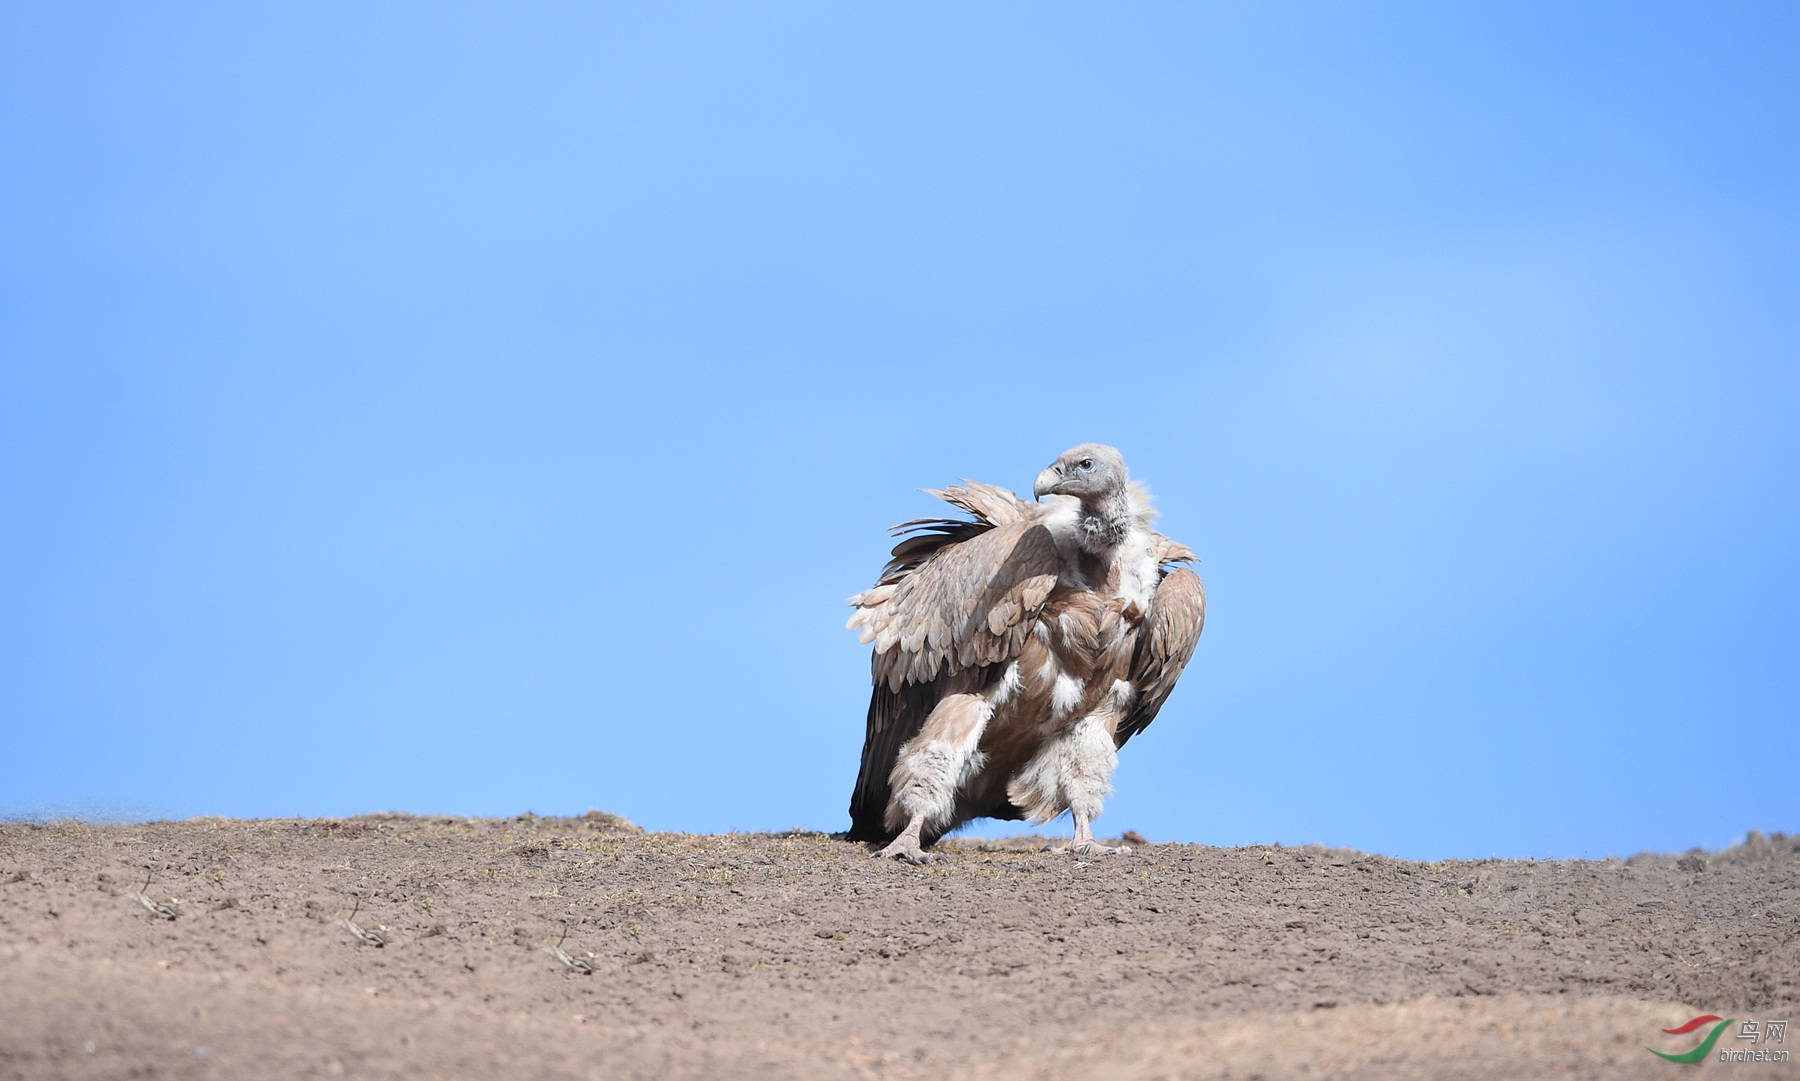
(1016, 653)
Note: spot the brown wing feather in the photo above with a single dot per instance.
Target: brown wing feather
(988, 502)
(1166, 642)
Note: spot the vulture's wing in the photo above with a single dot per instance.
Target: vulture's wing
(942, 621)
(1165, 643)
(966, 604)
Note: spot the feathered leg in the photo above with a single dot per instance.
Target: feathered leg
(1087, 782)
(931, 769)
(1073, 772)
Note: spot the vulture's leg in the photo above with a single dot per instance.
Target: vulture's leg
(1084, 769)
(931, 768)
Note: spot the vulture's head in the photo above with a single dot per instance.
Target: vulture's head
(1090, 472)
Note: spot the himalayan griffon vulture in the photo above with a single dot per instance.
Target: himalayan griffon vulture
(1014, 654)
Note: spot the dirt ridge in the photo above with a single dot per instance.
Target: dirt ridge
(794, 954)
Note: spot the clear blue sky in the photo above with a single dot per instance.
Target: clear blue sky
(473, 409)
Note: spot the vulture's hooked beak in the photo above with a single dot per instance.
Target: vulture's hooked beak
(1046, 482)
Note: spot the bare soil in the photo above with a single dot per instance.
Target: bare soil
(795, 955)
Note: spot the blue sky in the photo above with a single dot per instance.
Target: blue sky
(472, 409)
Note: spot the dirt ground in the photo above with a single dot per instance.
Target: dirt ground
(795, 955)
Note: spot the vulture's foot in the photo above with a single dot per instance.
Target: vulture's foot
(906, 846)
(1083, 843)
(1091, 847)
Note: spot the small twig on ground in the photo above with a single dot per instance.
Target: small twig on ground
(573, 964)
(142, 897)
(370, 938)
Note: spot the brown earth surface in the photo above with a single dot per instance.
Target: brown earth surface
(795, 955)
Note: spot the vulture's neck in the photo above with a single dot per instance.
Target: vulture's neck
(1105, 523)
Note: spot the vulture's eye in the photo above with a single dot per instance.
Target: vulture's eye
(1086, 463)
